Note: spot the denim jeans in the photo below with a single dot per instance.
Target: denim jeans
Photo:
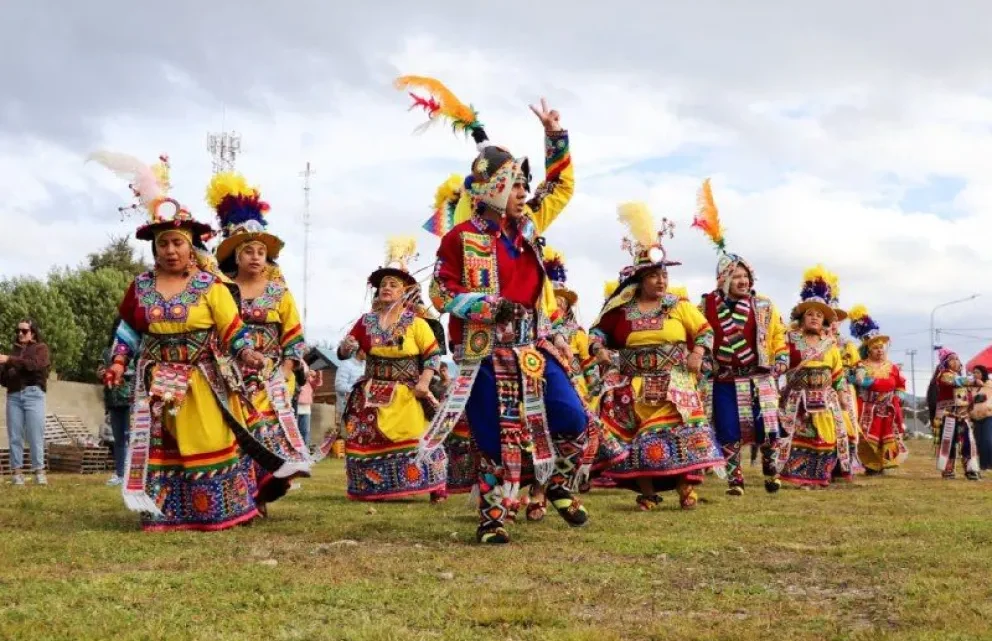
(120, 423)
(26, 418)
(303, 422)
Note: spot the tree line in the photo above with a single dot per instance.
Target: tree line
(75, 308)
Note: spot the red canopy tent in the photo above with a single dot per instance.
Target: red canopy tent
(983, 357)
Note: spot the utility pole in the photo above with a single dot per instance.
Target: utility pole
(306, 174)
(912, 381)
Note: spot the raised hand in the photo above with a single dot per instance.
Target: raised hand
(550, 118)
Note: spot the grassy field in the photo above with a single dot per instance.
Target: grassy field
(907, 556)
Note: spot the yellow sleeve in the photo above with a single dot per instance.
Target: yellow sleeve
(227, 318)
(696, 326)
(834, 360)
(291, 339)
(580, 345)
(555, 192)
(427, 345)
(777, 343)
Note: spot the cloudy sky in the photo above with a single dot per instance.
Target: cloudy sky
(851, 132)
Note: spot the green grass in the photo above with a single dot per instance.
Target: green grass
(902, 557)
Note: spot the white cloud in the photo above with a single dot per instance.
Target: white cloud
(813, 135)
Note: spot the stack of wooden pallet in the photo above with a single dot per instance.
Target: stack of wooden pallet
(79, 451)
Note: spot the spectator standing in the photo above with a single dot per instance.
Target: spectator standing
(981, 414)
(117, 403)
(348, 373)
(304, 404)
(25, 375)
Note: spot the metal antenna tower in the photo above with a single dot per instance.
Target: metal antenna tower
(224, 148)
(306, 174)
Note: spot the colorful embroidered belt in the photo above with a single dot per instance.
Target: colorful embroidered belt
(812, 378)
(656, 360)
(264, 338)
(186, 347)
(520, 330)
(879, 398)
(403, 370)
(726, 373)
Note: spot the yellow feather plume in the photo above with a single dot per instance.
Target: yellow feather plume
(161, 171)
(444, 102)
(707, 216)
(637, 217)
(817, 272)
(857, 313)
(679, 291)
(834, 281)
(550, 253)
(227, 184)
(609, 287)
(449, 190)
(399, 250)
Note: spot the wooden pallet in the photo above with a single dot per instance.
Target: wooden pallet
(54, 432)
(5, 461)
(74, 428)
(76, 459)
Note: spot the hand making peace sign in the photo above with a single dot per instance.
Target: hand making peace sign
(549, 117)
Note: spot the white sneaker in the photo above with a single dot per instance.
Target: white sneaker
(40, 478)
(18, 479)
(115, 481)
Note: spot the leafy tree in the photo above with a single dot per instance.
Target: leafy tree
(118, 255)
(94, 296)
(32, 298)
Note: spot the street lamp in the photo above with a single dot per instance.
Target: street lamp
(934, 311)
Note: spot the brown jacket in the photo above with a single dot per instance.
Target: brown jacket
(983, 409)
(28, 365)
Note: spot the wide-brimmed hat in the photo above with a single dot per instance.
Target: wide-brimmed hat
(241, 212)
(644, 243)
(816, 293)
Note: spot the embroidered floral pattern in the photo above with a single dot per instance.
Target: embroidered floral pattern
(256, 310)
(176, 309)
(392, 337)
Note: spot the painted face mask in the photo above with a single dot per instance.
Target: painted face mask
(494, 173)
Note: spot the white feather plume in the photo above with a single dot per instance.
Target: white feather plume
(140, 175)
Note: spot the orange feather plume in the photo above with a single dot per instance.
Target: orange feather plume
(441, 103)
(707, 216)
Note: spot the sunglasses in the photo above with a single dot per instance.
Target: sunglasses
(23, 330)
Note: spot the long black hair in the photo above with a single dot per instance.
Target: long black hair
(35, 332)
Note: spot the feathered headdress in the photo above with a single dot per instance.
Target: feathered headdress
(609, 287)
(708, 220)
(645, 241)
(452, 206)
(863, 326)
(494, 165)
(681, 292)
(815, 293)
(834, 281)
(150, 186)
(554, 268)
(400, 252)
(708, 216)
(441, 104)
(241, 213)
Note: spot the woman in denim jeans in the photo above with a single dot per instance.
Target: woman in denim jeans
(25, 375)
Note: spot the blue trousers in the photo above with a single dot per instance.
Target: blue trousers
(727, 417)
(303, 422)
(565, 412)
(26, 419)
(120, 423)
